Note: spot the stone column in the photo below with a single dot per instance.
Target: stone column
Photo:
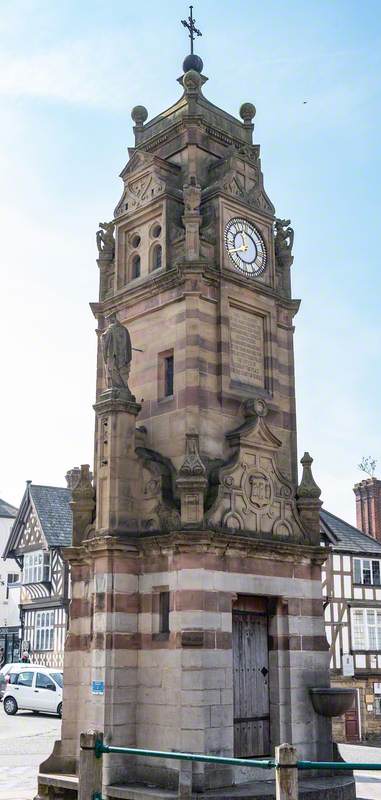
(117, 470)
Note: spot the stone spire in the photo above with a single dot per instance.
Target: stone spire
(308, 502)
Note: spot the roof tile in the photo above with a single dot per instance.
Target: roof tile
(346, 537)
(53, 510)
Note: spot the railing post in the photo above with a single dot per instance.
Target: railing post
(90, 767)
(185, 780)
(286, 773)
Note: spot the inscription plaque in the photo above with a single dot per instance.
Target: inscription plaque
(246, 347)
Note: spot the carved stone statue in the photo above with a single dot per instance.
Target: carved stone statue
(192, 197)
(117, 353)
(284, 240)
(105, 239)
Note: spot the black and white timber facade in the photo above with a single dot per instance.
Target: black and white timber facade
(352, 599)
(42, 528)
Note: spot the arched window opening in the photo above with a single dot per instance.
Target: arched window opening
(156, 230)
(156, 257)
(135, 240)
(135, 272)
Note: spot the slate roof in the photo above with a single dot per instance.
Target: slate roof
(51, 504)
(53, 510)
(345, 537)
(6, 510)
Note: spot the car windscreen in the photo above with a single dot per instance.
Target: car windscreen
(57, 676)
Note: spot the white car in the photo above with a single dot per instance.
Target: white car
(35, 688)
(6, 673)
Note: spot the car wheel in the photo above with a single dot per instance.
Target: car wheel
(59, 710)
(10, 705)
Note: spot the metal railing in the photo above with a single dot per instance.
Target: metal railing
(286, 766)
(262, 763)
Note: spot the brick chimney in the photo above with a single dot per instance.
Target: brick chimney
(368, 506)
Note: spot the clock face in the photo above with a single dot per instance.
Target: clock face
(246, 247)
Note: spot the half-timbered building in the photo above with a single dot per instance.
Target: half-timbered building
(9, 592)
(42, 528)
(352, 591)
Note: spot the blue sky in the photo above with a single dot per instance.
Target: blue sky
(69, 75)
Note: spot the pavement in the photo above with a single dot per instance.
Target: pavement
(368, 783)
(27, 739)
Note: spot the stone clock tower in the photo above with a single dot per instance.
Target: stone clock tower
(197, 610)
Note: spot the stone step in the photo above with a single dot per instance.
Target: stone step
(340, 787)
(58, 780)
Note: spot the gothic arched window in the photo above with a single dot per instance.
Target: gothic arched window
(156, 256)
(135, 272)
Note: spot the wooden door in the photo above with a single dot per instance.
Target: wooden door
(250, 684)
(352, 723)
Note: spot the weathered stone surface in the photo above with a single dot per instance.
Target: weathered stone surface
(197, 516)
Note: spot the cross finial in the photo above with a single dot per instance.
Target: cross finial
(190, 24)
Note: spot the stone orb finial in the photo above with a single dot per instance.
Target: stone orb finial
(139, 114)
(247, 112)
(193, 62)
(192, 81)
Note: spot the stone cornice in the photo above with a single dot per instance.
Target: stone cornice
(197, 541)
(129, 296)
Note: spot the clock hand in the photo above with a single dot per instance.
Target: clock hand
(241, 249)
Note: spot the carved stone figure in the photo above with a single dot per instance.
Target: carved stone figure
(192, 197)
(105, 239)
(284, 240)
(117, 353)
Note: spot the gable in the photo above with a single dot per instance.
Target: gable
(31, 537)
(44, 520)
(240, 176)
(52, 506)
(253, 494)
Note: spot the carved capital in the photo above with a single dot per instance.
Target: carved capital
(116, 400)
